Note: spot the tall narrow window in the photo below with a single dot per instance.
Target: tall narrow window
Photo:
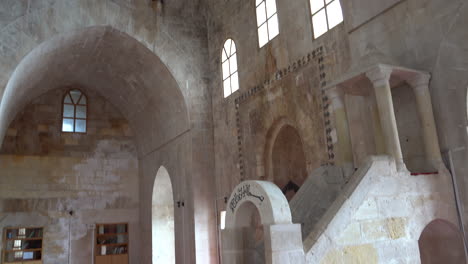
(222, 220)
(74, 112)
(267, 21)
(229, 65)
(326, 14)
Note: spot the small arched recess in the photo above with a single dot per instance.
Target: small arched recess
(441, 242)
(285, 160)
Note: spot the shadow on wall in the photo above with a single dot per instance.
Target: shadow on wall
(441, 242)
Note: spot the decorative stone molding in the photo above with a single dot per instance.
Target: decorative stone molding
(379, 75)
(243, 97)
(326, 103)
(280, 74)
(282, 238)
(419, 80)
(267, 198)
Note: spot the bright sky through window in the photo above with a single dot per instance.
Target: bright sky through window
(326, 14)
(223, 220)
(74, 112)
(229, 67)
(267, 21)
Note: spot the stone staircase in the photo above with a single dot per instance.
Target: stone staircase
(315, 196)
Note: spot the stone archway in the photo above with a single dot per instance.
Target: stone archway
(441, 242)
(275, 217)
(162, 219)
(285, 159)
(140, 85)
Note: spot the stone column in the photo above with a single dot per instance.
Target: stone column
(232, 246)
(283, 244)
(380, 78)
(340, 133)
(420, 84)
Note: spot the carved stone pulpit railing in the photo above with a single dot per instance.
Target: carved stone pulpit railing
(376, 84)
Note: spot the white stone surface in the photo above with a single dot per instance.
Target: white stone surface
(383, 226)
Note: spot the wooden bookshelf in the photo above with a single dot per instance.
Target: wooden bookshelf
(22, 245)
(112, 243)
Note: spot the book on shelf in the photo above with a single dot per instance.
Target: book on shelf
(121, 228)
(28, 255)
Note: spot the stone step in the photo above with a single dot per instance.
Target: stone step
(315, 196)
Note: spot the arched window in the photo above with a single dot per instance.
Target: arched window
(162, 215)
(74, 112)
(267, 21)
(326, 14)
(229, 65)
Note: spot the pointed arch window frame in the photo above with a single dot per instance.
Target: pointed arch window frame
(77, 115)
(229, 67)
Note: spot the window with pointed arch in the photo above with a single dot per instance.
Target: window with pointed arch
(229, 65)
(74, 115)
(326, 14)
(267, 21)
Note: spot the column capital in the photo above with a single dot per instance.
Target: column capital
(420, 79)
(335, 91)
(379, 75)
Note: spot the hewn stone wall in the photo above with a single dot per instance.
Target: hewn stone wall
(419, 34)
(380, 215)
(279, 84)
(174, 32)
(45, 174)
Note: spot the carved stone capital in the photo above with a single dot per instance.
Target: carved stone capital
(336, 96)
(419, 80)
(335, 92)
(380, 75)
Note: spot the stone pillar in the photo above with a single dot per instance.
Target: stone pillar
(420, 84)
(340, 132)
(380, 78)
(232, 246)
(283, 244)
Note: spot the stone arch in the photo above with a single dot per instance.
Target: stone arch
(270, 141)
(137, 81)
(162, 218)
(266, 197)
(284, 142)
(139, 19)
(275, 216)
(441, 242)
(139, 84)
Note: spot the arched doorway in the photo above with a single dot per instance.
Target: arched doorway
(288, 161)
(282, 239)
(162, 219)
(248, 219)
(441, 242)
(142, 87)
